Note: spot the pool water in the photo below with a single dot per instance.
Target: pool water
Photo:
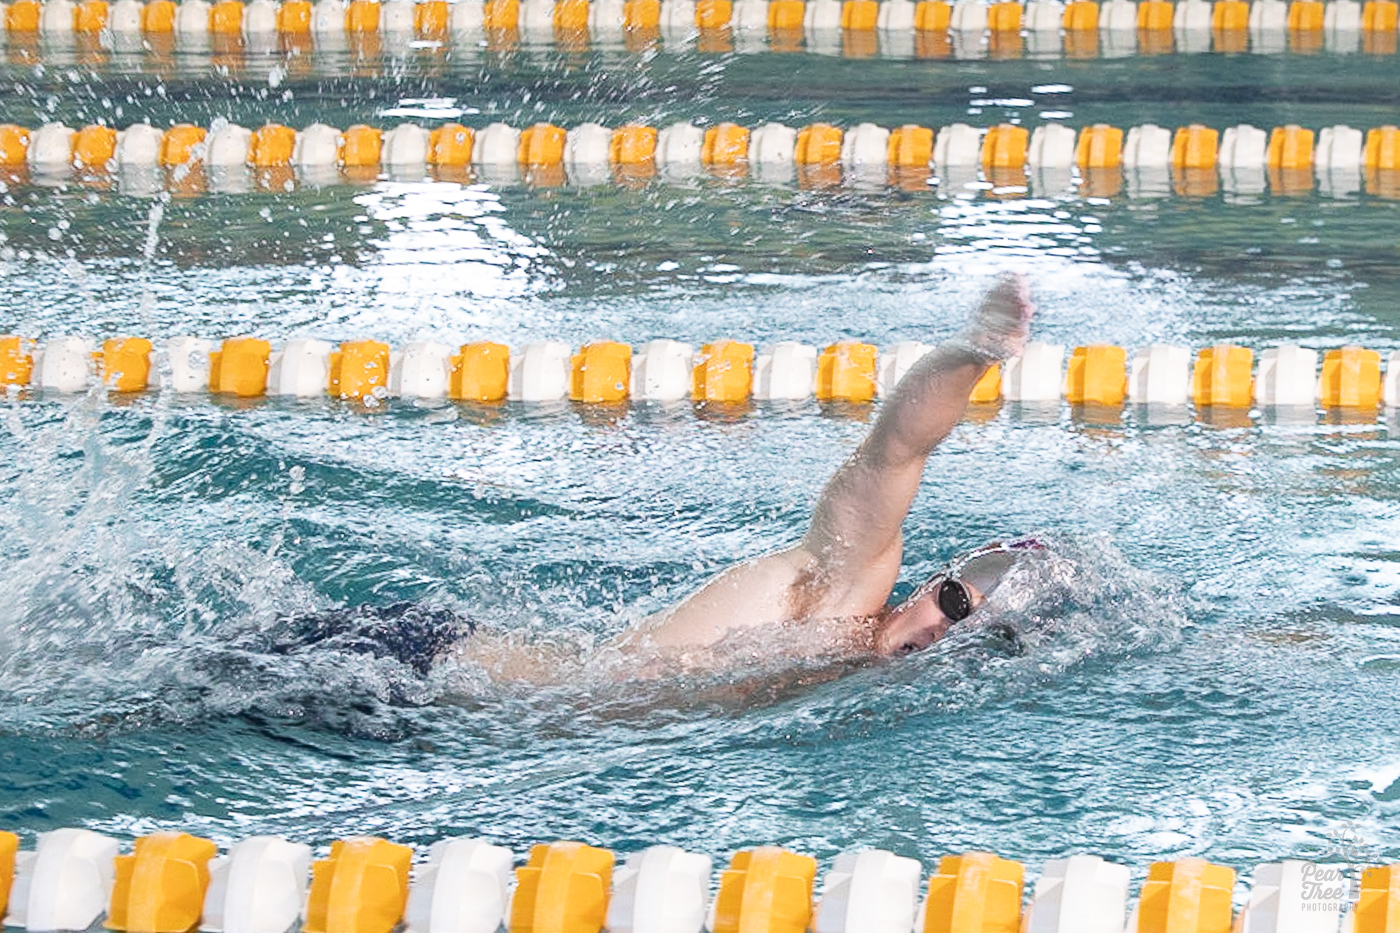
(1207, 667)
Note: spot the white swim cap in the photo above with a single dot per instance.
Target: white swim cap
(984, 567)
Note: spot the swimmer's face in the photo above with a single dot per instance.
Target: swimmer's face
(917, 622)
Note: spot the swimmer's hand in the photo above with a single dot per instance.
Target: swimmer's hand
(1000, 326)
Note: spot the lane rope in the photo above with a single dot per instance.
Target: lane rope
(173, 882)
(1225, 376)
(1101, 160)
(858, 28)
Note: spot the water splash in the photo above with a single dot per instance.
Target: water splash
(108, 627)
(1075, 603)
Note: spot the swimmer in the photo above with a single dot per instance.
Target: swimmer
(833, 588)
(830, 591)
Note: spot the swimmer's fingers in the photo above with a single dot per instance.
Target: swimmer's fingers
(1001, 325)
(1008, 307)
(1021, 289)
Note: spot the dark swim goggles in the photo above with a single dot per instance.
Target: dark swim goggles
(984, 568)
(954, 601)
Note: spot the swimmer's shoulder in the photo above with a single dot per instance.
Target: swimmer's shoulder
(757, 593)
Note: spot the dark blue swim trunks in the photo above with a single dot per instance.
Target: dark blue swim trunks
(411, 633)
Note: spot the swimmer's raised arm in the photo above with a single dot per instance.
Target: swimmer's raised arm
(848, 561)
(855, 536)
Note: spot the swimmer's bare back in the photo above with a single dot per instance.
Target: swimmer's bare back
(826, 597)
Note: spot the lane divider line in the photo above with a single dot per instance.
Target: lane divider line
(1224, 376)
(860, 28)
(1149, 160)
(172, 882)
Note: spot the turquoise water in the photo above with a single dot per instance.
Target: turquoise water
(1207, 667)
